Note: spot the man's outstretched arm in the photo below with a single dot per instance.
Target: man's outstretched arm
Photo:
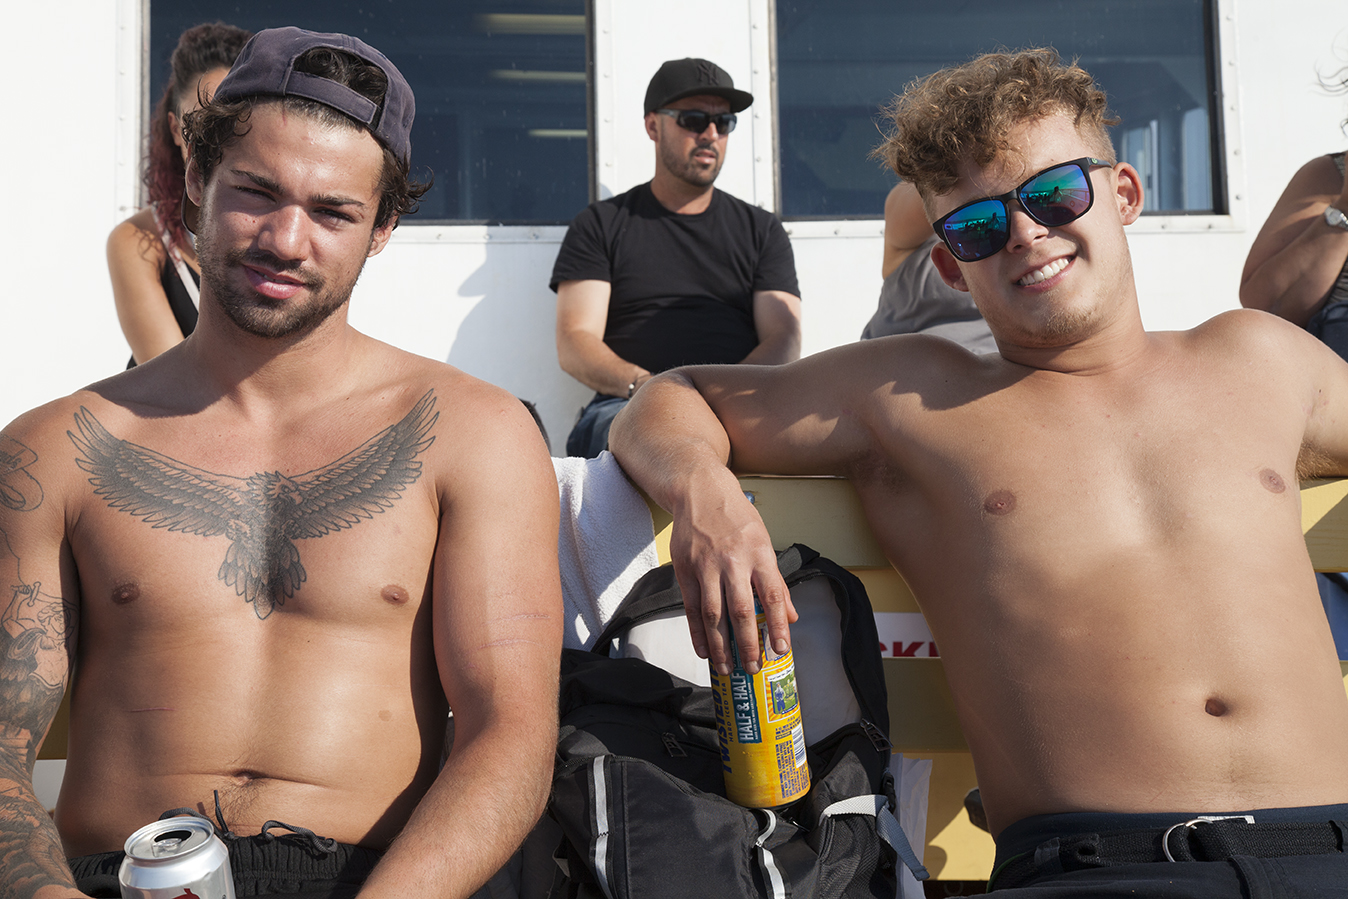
(497, 624)
(671, 443)
(38, 592)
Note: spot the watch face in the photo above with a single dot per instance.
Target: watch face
(1335, 218)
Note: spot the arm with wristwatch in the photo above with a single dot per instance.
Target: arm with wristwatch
(1301, 253)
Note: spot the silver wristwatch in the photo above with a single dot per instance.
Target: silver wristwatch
(1335, 218)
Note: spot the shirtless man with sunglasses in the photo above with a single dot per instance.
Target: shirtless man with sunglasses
(1102, 524)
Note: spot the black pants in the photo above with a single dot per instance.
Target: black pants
(289, 865)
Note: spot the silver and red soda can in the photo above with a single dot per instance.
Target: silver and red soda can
(177, 858)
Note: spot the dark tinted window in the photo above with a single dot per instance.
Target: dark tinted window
(839, 61)
(501, 92)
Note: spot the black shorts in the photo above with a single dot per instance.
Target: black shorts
(1044, 856)
(289, 865)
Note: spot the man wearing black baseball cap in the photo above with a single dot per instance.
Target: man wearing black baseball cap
(673, 272)
(282, 551)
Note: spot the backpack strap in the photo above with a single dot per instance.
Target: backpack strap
(654, 593)
(858, 638)
(886, 825)
(657, 592)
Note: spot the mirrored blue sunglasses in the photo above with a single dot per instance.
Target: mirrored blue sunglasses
(1055, 196)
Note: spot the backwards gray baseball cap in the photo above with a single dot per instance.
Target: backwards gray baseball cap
(266, 68)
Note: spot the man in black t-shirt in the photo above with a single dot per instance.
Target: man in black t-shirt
(673, 272)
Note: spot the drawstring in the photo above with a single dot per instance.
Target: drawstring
(320, 844)
(221, 828)
(225, 832)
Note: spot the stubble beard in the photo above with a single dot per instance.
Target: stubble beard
(259, 315)
(1059, 327)
(1066, 325)
(687, 170)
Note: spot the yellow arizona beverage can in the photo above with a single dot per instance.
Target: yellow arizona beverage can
(759, 728)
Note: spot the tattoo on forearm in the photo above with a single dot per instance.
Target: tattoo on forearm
(30, 849)
(262, 514)
(35, 628)
(19, 490)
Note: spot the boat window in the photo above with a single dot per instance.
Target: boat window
(501, 92)
(839, 61)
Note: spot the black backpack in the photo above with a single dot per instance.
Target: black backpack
(638, 791)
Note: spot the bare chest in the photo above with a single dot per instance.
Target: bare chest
(177, 519)
(1017, 485)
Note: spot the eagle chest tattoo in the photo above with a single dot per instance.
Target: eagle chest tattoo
(263, 514)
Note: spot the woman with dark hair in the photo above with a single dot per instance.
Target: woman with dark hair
(151, 257)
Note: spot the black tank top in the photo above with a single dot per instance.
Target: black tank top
(184, 310)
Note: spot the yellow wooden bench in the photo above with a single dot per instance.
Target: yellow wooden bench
(825, 514)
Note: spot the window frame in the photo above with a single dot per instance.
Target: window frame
(1229, 187)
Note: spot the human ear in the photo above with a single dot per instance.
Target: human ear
(948, 267)
(1128, 192)
(652, 128)
(379, 237)
(176, 129)
(192, 181)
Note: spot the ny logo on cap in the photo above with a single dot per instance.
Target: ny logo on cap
(706, 72)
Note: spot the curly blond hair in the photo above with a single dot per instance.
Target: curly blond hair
(967, 111)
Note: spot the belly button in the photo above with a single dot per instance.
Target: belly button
(1215, 707)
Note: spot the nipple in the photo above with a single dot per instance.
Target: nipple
(394, 595)
(125, 593)
(999, 502)
(1215, 707)
(1272, 481)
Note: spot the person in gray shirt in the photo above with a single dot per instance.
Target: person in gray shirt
(913, 297)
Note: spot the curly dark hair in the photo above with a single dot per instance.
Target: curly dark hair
(967, 111)
(215, 126)
(200, 49)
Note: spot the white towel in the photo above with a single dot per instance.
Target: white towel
(605, 543)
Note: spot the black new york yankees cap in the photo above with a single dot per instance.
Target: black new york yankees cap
(691, 77)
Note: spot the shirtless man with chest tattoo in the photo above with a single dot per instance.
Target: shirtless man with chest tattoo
(1102, 524)
(270, 561)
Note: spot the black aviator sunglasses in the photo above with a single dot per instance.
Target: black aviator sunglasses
(1057, 195)
(696, 121)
